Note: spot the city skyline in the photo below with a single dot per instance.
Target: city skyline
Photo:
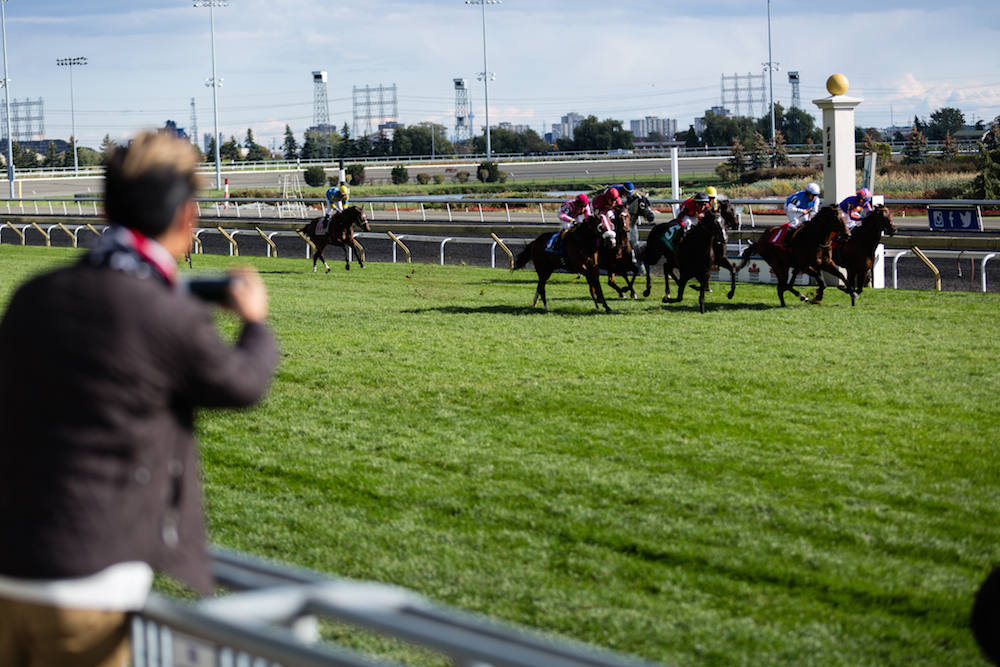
(145, 64)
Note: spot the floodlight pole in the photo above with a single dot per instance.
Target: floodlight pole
(6, 99)
(214, 83)
(71, 63)
(486, 72)
(770, 68)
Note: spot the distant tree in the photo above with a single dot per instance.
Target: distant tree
(915, 151)
(289, 147)
(949, 149)
(798, 125)
(920, 126)
(592, 134)
(759, 154)
(462, 176)
(509, 141)
(230, 150)
(779, 154)
(25, 158)
(52, 157)
(423, 178)
(489, 172)
(987, 184)
(314, 176)
(88, 157)
(107, 144)
(691, 139)
(738, 161)
(943, 122)
(67, 156)
(657, 137)
(724, 130)
(255, 152)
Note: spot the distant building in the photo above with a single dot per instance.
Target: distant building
(517, 129)
(566, 127)
(643, 127)
(699, 123)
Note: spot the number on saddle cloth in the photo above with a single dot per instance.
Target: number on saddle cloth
(321, 225)
(672, 236)
(782, 235)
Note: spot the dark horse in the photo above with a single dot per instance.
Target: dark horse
(809, 251)
(580, 246)
(665, 235)
(701, 247)
(339, 232)
(619, 259)
(857, 254)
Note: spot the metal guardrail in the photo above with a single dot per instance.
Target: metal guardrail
(272, 612)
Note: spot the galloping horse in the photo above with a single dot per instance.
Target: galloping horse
(857, 254)
(339, 232)
(694, 256)
(580, 248)
(807, 251)
(620, 259)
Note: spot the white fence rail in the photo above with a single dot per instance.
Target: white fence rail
(271, 618)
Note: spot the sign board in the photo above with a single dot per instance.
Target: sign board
(955, 218)
(868, 173)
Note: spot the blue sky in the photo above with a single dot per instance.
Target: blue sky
(148, 58)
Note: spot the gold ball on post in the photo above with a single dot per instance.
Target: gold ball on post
(837, 84)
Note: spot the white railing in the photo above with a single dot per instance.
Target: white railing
(271, 617)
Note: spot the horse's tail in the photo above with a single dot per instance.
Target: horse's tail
(524, 256)
(745, 256)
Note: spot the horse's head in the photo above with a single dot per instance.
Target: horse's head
(883, 220)
(358, 218)
(639, 207)
(623, 221)
(728, 213)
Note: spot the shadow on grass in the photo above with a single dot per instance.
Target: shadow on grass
(510, 310)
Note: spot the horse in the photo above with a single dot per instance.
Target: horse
(661, 244)
(807, 251)
(693, 257)
(339, 232)
(620, 259)
(580, 249)
(857, 254)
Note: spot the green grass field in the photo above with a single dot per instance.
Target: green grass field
(751, 486)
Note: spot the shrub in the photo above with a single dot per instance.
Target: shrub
(423, 179)
(356, 174)
(314, 176)
(489, 172)
(462, 177)
(438, 178)
(400, 175)
(790, 173)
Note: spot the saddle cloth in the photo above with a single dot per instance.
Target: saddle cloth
(321, 226)
(781, 236)
(672, 236)
(554, 244)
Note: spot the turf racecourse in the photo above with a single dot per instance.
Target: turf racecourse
(751, 486)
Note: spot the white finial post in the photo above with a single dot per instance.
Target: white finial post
(838, 140)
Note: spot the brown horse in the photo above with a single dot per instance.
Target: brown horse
(620, 259)
(808, 251)
(580, 245)
(339, 232)
(857, 254)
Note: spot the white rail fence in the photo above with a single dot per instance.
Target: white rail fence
(271, 617)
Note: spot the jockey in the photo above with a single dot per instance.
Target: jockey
(713, 197)
(575, 210)
(605, 202)
(856, 207)
(692, 209)
(802, 205)
(625, 190)
(338, 196)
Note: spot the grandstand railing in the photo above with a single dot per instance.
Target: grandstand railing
(272, 611)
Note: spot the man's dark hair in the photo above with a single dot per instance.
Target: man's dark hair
(146, 181)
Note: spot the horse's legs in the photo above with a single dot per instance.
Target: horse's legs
(361, 252)
(650, 257)
(667, 274)
(594, 280)
(790, 285)
(681, 284)
(703, 287)
(844, 286)
(725, 263)
(543, 276)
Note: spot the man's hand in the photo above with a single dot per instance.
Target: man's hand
(248, 296)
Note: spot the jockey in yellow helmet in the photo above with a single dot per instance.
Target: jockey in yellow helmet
(339, 196)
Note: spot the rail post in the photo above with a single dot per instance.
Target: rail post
(930, 265)
(270, 244)
(17, 231)
(987, 258)
(360, 248)
(70, 234)
(396, 240)
(48, 241)
(306, 239)
(234, 250)
(503, 246)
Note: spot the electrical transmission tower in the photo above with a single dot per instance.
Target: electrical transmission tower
(321, 104)
(793, 78)
(380, 107)
(463, 130)
(194, 124)
(744, 94)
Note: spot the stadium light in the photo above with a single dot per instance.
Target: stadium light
(214, 83)
(71, 63)
(6, 99)
(485, 75)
